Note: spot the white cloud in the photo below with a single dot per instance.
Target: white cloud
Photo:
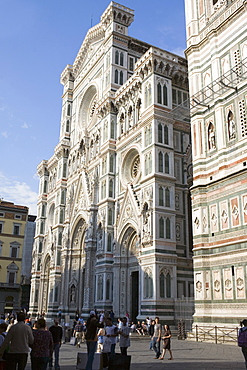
(5, 134)
(25, 125)
(18, 192)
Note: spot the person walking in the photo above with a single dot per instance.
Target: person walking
(18, 339)
(124, 340)
(92, 338)
(156, 338)
(42, 346)
(111, 331)
(57, 334)
(78, 333)
(166, 342)
(151, 333)
(242, 339)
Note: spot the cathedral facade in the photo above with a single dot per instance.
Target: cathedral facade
(113, 225)
(217, 61)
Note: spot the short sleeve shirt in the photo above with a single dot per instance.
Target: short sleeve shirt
(157, 330)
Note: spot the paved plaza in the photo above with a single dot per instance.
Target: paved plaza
(187, 355)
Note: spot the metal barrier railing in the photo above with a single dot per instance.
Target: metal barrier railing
(215, 334)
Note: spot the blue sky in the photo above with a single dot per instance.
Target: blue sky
(38, 38)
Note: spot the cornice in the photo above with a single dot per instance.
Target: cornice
(93, 33)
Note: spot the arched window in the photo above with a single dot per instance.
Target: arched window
(65, 169)
(40, 246)
(150, 285)
(116, 57)
(43, 210)
(168, 285)
(103, 165)
(165, 100)
(161, 196)
(105, 131)
(150, 162)
(56, 294)
(112, 130)
(39, 264)
(36, 295)
(167, 197)
(68, 110)
(42, 227)
(61, 218)
(162, 285)
(111, 188)
(63, 197)
(168, 228)
(116, 76)
(109, 242)
(110, 216)
(166, 163)
(146, 96)
(146, 165)
(121, 59)
(45, 186)
(58, 258)
(121, 78)
(67, 126)
(161, 228)
(166, 135)
(111, 163)
(60, 237)
(108, 290)
(160, 133)
(149, 94)
(159, 96)
(161, 169)
(103, 189)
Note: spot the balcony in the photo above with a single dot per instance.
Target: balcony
(7, 286)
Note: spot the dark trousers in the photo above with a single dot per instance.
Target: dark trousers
(244, 351)
(56, 349)
(14, 359)
(91, 348)
(156, 346)
(123, 351)
(39, 363)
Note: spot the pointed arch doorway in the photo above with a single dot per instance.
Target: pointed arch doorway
(129, 274)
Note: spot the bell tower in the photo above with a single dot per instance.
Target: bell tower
(217, 60)
(117, 18)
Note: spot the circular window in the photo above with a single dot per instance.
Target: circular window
(131, 167)
(135, 167)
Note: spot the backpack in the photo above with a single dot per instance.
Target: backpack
(242, 337)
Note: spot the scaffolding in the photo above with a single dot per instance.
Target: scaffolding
(216, 90)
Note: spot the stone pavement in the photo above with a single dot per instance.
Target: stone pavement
(187, 355)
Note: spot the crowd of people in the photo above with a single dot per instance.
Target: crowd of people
(100, 332)
(18, 336)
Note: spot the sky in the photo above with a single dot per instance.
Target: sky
(38, 38)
